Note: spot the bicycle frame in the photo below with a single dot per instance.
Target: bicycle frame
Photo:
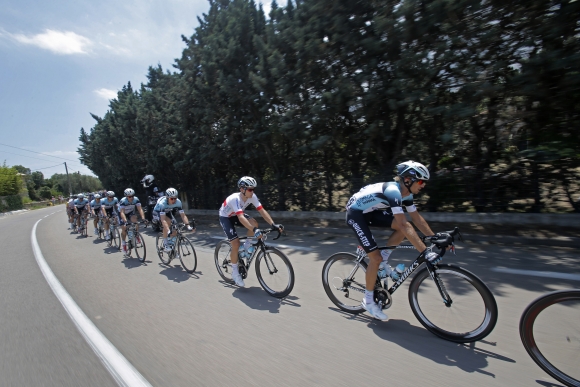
(260, 246)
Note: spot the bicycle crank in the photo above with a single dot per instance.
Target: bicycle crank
(383, 298)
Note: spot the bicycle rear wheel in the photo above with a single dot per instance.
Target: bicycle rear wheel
(187, 255)
(223, 260)
(550, 332)
(163, 255)
(344, 281)
(139, 246)
(472, 313)
(275, 272)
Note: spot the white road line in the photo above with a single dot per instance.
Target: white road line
(534, 273)
(122, 371)
(278, 245)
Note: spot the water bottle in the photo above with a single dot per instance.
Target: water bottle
(130, 234)
(400, 269)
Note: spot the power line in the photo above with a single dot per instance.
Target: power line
(30, 157)
(44, 154)
(38, 169)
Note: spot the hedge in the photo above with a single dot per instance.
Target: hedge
(10, 203)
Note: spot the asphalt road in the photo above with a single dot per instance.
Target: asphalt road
(182, 330)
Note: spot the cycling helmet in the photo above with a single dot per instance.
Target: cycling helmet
(80, 196)
(97, 196)
(111, 194)
(171, 193)
(129, 192)
(246, 182)
(414, 170)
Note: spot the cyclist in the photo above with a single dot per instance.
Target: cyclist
(231, 214)
(380, 205)
(81, 205)
(153, 194)
(70, 210)
(96, 210)
(110, 208)
(165, 205)
(127, 207)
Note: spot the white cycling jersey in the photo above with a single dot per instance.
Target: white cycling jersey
(235, 204)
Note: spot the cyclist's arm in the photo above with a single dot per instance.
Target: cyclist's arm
(185, 220)
(245, 222)
(410, 233)
(140, 208)
(421, 223)
(266, 216)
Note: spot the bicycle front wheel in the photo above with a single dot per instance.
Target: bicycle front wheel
(163, 255)
(116, 237)
(471, 313)
(344, 281)
(187, 255)
(550, 332)
(139, 246)
(222, 259)
(275, 272)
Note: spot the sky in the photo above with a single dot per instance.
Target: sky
(62, 60)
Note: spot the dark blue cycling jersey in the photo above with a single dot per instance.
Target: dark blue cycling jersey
(381, 196)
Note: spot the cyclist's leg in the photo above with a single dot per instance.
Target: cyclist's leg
(228, 225)
(166, 224)
(357, 221)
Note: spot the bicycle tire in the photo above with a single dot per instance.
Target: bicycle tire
(222, 260)
(115, 236)
(140, 245)
(526, 328)
(164, 256)
(186, 249)
(267, 259)
(446, 274)
(349, 262)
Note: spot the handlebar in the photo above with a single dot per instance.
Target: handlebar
(442, 240)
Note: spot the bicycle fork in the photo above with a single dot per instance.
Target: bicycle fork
(440, 285)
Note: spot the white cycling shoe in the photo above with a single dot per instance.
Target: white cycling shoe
(237, 277)
(374, 310)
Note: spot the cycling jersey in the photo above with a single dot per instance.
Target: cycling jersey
(110, 204)
(235, 204)
(81, 204)
(71, 204)
(129, 207)
(96, 206)
(381, 196)
(163, 206)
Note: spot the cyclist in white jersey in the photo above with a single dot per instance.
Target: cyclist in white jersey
(380, 205)
(110, 210)
(127, 206)
(70, 210)
(231, 214)
(96, 209)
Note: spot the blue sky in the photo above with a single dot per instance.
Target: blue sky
(61, 60)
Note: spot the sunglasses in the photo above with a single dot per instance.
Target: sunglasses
(172, 198)
(129, 197)
(250, 189)
(420, 182)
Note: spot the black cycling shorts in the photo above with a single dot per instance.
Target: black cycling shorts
(360, 222)
(229, 225)
(128, 216)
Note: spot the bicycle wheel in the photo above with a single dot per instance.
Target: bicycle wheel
(139, 246)
(187, 255)
(164, 256)
(275, 272)
(549, 329)
(116, 237)
(472, 313)
(344, 281)
(223, 260)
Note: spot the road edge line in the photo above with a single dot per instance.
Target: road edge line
(124, 373)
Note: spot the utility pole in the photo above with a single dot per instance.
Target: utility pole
(68, 178)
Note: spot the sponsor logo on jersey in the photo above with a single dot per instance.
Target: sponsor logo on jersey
(364, 240)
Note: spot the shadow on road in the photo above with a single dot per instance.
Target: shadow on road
(467, 357)
(257, 298)
(98, 241)
(176, 273)
(111, 250)
(131, 262)
(548, 384)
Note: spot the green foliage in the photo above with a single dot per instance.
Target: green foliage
(10, 181)
(45, 193)
(325, 96)
(10, 203)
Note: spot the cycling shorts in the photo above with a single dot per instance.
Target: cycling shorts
(128, 216)
(359, 222)
(111, 212)
(229, 225)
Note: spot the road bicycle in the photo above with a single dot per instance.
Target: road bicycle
(448, 300)
(181, 248)
(135, 242)
(101, 227)
(273, 269)
(114, 233)
(83, 228)
(75, 227)
(550, 332)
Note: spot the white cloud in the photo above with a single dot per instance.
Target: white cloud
(106, 93)
(66, 43)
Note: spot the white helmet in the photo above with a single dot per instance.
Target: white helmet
(147, 180)
(129, 192)
(414, 170)
(246, 182)
(110, 193)
(171, 192)
(80, 196)
(97, 196)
